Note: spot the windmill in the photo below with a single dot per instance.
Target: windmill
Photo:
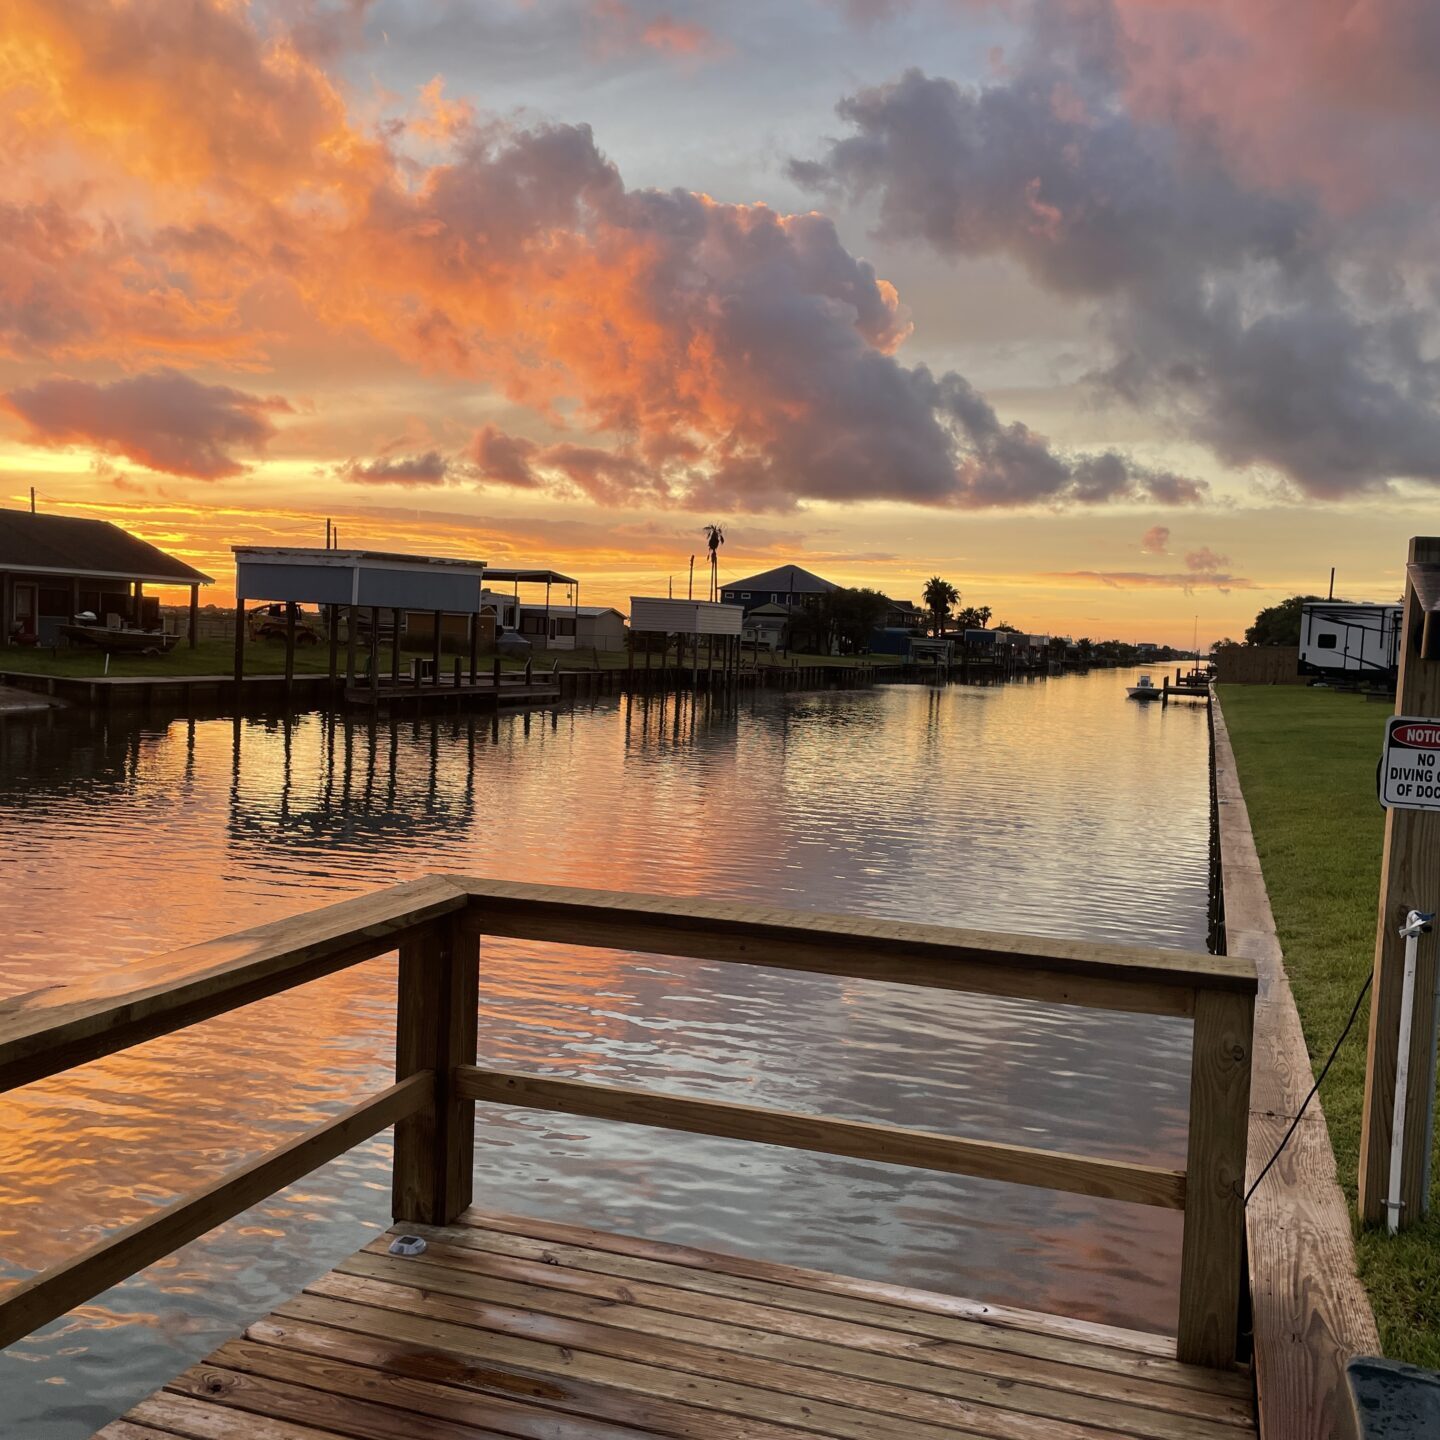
(714, 538)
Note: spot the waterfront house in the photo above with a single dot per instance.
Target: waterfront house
(787, 585)
(580, 627)
(765, 627)
(569, 627)
(54, 567)
(904, 615)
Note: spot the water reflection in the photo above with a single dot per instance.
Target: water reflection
(1008, 808)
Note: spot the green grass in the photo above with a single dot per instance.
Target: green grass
(209, 657)
(1307, 765)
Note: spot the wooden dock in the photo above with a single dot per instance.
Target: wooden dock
(1310, 1313)
(141, 692)
(482, 693)
(516, 1327)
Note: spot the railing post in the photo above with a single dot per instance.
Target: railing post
(1213, 1250)
(435, 1029)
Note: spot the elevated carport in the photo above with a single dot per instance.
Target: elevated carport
(356, 580)
(516, 577)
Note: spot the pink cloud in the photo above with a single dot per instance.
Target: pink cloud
(163, 419)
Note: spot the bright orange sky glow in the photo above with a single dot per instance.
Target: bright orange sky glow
(558, 283)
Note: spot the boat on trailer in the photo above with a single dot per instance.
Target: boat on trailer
(121, 641)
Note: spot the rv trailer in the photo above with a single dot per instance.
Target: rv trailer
(1340, 640)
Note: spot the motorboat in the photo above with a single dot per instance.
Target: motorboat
(122, 641)
(1144, 689)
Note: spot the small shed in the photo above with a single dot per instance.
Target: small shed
(357, 581)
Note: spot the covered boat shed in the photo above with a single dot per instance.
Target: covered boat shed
(542, 629)
(356, 580)
(718, 623)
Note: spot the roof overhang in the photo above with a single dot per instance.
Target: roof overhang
(81, 573)
(529, 577)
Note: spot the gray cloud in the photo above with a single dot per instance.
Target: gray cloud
(762, 371)
(431, 468)
(1274, 333)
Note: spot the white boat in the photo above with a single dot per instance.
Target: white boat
(1144, 689)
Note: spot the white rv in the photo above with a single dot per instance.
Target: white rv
(1355, 641)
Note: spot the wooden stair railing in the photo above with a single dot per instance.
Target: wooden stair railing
(436, 925)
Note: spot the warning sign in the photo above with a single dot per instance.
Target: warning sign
(1410, 764)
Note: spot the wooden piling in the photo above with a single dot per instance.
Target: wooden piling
(290, 609)
(1409, 880)
(435, 1030)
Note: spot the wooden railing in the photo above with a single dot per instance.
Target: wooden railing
(436, 925)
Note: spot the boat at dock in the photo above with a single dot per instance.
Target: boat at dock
(1144, 689)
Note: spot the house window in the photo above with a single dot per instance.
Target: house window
(729, 594)
(744, 595)
(564, 627)
(532, 624)
(1325, 642)
(774, 598)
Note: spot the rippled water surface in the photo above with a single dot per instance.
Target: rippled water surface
(1053, 807)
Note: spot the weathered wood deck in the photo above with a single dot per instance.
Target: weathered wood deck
(588, 1334)
(512, 1327)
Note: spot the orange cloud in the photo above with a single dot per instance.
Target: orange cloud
(225, 208)
(164, 420)
(619, 28)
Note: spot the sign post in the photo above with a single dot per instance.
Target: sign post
(1409, 880)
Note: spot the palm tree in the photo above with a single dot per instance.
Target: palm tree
(714, 538)
(939, 596)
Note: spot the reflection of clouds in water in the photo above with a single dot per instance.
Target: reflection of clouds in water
(1010, 808)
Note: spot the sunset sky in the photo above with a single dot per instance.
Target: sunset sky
(1116, 313)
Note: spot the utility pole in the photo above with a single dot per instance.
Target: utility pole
(1409, 881)
(690, 595)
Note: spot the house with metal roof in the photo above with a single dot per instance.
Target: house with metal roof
(55, 567)
(787, 585)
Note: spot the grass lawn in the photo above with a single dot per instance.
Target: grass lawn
(209, 657)
(1307, 765)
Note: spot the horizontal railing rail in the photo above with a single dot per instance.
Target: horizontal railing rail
(855, 1139)
(436, 925)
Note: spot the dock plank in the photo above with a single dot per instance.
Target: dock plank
(869, 1337)
(748, 1338)
(495, 1333)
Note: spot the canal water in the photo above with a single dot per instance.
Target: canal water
(1053, 807)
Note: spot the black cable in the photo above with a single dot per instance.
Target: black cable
(1325, 1070)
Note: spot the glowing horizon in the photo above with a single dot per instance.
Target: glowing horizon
(558, 284)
